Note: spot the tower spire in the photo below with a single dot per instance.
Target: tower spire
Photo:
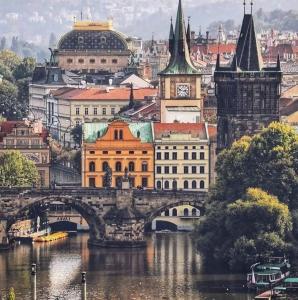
(188, 34)
(244, 6)
(171, 38)
(251, 6)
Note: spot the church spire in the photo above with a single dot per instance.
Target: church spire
(180, 62)
(171, 39)
(188, 34)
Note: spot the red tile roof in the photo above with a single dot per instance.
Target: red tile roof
(196, 129)
(97, 94)
(215, 48)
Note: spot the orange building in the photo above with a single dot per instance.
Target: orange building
(125, 147)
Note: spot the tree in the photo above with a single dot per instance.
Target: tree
(9, 106)
(9, 59)
(17, 171)
(3, 43)
(6, 72)
(25, 68)
(11, 295)
(255, 226)
(23, 96)
(77, 134)
(268, 160)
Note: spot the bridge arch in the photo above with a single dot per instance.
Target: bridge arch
(96, 225)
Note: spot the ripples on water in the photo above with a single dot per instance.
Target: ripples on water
(169, 268)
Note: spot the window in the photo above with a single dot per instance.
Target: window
(86, 111)
(118, 152)
(185, 170)
(167, 213)
(105, 152)
(92, 166)
(105, 166)
(186, 212)
(194, 184)
(132, 182)
(202, 184)
(174, 170)
(167, 185)
(144, 167)
(202, 155)
(194, 212)
(98, 134)
(95, 111)
(174, 185)
(92, 152)
(92, 61)
(167, 170)
(92, 182)
(167, 155)
(202, 170)
(194, 147)
(114, 61)
(194, 156)
(174, 155)
(158, 155)
(144, 182)
(167, 148)
(131, 166)
(69, 61)
(174, 212)
(202, 147)
(185, 184)
(158, 185)
(118, 166)
(131, 152)
(77, 111)
(185, 147)
(104, 111)
(174, 147)
(145, 152)
(193, 170)
(158, 170)
(81, 61)
(116, 135)
(120, 134)
(185, 155)
(103, 61)
(113, 110)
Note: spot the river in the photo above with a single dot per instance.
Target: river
(169, 268)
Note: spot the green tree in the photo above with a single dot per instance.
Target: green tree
(6, 72)
(77, 134)
(17, 171)
(25, 68)
(9, 59)
(268, 160)
(255, 226)
(9, 106)
(11, 295)
(23, 96)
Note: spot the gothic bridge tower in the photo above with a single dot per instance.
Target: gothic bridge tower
(247, 93)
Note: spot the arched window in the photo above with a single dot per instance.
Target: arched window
(194, 212)
(174, 212)
(105, 166)
(116, 135)
(121, 135)
(131, 166)
(194, 185)
(158, 185)
(186, 212)
(167, 185)
(186, 184)
(92, 166)
(202, 184)
(98, 134)
(144, 167)
(118, 166)
(175, 185)
(167, 213)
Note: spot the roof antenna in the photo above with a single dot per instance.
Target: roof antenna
(81, 15)
(251, 4)
(244, 5)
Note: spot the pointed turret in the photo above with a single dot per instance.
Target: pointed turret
(217, 67)
(180, 62)
(188, 35)
(278, 65)
(248, 52)
(171, 39)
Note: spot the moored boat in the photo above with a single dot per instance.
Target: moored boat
(268, 275)
(288, 286)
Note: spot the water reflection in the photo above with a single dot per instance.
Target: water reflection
(168, 268)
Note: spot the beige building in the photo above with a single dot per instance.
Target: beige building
(182, 156)
(28, 138)
(92, 47)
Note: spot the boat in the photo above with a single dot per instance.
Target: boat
(268, 275)
(51, 237)
(289, 286)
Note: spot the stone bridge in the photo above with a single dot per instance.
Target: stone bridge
(116, 217)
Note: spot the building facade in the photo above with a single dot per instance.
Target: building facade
(180, 82)
(28, 138)
(247, 93)
(93, 47)
(182, 156)
(122, 149)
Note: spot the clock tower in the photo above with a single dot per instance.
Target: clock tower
(180, 82)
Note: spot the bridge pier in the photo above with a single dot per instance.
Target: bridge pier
(4, 241)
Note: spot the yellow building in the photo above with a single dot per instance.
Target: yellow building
(125, 148)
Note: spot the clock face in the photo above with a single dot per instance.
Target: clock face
(183, 90)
